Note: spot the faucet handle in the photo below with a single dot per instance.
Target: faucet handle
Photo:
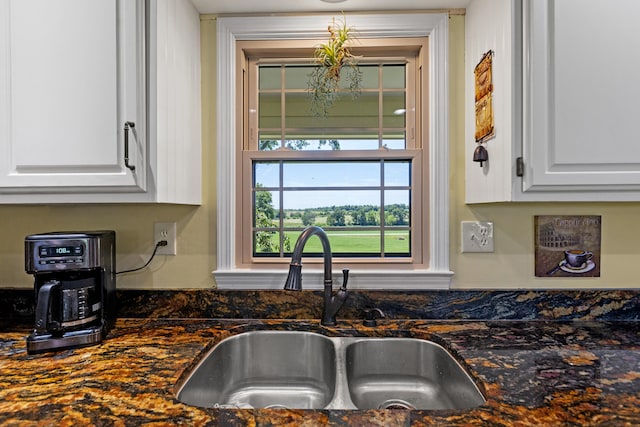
(370, 316)
(345, 279)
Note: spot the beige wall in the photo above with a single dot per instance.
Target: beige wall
(510, 266)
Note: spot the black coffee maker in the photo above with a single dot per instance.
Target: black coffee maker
(75, 288)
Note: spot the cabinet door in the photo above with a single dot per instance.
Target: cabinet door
(71, 75)
(581, 96)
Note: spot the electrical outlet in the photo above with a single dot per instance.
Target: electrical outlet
(477, 236)
(165, 231)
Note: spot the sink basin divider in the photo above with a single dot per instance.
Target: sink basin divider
(341, 397)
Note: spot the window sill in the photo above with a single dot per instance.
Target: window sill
(358, 279)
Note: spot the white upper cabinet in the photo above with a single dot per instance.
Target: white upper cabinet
(83, 84)
(565, 97)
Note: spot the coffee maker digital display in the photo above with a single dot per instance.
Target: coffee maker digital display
(74, 284)
(55, 251)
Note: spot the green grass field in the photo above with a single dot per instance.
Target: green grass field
(355, 241)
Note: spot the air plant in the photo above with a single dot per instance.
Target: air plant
(330, 58)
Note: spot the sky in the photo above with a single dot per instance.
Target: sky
(351, 182)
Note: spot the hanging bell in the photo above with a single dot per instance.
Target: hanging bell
(480, 154)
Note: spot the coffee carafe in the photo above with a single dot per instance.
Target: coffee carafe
(74, 284)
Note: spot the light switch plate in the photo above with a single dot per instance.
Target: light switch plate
(477, 236)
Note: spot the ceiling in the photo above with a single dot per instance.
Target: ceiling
(307, 6)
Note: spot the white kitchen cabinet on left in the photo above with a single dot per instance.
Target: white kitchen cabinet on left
(100, 101)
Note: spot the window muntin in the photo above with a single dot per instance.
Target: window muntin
(364, 206)
(282, 133)
(376, 118)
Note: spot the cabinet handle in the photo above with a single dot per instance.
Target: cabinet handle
(127, 126)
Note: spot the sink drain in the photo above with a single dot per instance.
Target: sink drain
(396, 404)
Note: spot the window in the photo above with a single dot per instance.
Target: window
(356, 172)
(387, 149)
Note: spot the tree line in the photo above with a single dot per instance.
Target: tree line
(347, 215)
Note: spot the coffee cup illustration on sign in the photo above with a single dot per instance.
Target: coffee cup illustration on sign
(575, 258)
(576, 261)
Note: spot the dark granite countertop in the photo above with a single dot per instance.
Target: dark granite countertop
(533, 372)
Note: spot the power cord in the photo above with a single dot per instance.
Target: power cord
(160, 243)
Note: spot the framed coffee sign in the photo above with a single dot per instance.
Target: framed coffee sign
(483, 76)
(567, 246)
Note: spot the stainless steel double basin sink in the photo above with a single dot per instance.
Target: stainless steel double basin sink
(307, 370)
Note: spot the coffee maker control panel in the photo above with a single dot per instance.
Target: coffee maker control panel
(62, 252)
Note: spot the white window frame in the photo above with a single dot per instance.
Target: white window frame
(232, 29)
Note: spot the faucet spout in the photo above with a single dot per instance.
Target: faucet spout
(294, 280)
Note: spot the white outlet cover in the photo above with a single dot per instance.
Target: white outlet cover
(477, 236)
(165, 231)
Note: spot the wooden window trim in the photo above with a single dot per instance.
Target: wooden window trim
(410, 51)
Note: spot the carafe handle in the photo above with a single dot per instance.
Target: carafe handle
(42, 306)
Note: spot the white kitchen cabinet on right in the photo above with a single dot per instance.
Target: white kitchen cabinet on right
(566, 92)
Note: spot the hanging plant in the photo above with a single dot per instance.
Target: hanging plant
(330, 59)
